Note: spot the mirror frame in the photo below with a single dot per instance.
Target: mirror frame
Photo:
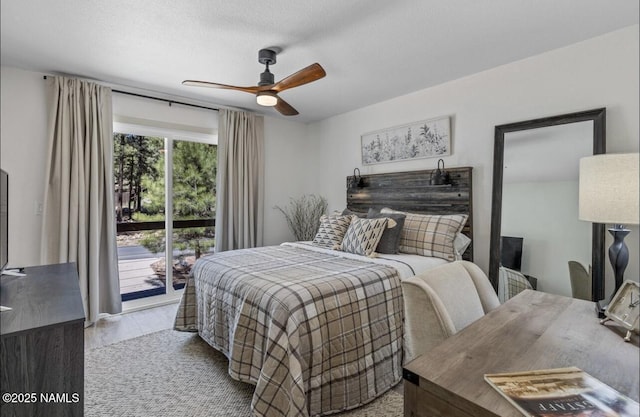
(598, 116)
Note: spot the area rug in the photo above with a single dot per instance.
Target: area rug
(172, 373)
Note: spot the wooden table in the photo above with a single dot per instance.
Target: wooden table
(533, 330)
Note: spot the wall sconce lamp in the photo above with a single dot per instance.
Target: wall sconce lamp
(357, 181)
(608, 193)
(440, 176)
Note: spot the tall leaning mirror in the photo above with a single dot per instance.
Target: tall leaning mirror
(535, 230)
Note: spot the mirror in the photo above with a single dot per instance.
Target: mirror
(534, 221)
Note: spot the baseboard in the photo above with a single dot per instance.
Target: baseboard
(151, 302)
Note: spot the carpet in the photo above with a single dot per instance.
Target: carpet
(172, 373)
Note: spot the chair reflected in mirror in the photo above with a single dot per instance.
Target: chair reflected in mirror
(581, 286)
(511, 283)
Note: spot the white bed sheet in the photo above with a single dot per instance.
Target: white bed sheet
(406, 265)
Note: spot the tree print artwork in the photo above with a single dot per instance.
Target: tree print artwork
(425, 139)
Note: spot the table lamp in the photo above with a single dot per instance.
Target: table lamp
(608, 193)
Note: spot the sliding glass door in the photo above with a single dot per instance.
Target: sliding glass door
(139, 171)
(165, 205)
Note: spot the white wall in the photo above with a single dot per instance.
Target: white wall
(287, 173)
(601, 72)
(545, 214)
(23, 148)
(140, 110)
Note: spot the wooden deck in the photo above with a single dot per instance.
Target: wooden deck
(137, 275)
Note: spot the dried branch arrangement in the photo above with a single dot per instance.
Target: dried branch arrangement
(303, 215)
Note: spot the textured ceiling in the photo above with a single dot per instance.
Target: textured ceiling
(372, 50)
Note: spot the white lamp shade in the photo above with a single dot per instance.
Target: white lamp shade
(608, 191)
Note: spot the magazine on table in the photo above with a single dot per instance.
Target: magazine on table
(562, 392)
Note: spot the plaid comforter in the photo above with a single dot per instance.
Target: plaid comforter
(316, 333)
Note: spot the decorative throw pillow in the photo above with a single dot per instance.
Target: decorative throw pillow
(430, 235)
(390, 240)
(331, 231)
(363, 235)
(347, 212)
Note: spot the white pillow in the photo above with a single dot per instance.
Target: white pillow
(460, 244)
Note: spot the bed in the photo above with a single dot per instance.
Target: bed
(316, 330)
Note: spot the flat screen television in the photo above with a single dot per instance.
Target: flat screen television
(511, 252)
(4, 219)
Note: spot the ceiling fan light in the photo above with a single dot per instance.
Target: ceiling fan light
(267, 98)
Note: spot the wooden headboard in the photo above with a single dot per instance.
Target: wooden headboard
(411, 192)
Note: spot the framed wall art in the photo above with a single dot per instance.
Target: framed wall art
(424, 139)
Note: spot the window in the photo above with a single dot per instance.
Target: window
(165, 206)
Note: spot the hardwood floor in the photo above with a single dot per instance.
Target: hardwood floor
(125, 326)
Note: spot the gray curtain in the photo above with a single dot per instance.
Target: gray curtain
(240, 185)
(78, 216)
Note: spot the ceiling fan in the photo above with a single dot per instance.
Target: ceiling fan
(267, 91)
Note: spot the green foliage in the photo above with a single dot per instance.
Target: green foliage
(139, 171)
(154, 241)
(194, 192)
(153, 187)
(303, 215)
(144, 217)
(134, 157)
(194, 179)
(200, 239)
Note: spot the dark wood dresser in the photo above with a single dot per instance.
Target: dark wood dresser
(42, 343)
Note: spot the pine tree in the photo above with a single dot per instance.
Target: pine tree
(134, 158)
(194, 197)
(194, 193)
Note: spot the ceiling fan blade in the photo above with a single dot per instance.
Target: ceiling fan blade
(195, 83)
(285, 108)
(306, 75)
